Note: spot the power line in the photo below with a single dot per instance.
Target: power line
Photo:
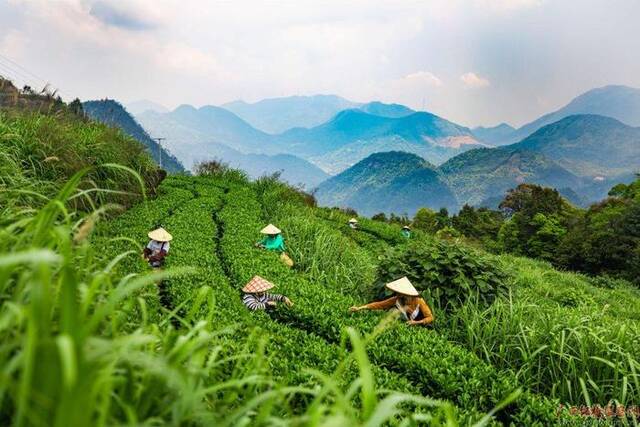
(18, 72)
(21, 67)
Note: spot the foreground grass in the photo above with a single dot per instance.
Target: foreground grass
(87, 340)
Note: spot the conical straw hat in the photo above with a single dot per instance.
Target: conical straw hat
(257, 284)
(403, 286)
(406, 227)
(271, 229)
(352, 220)
(160, 235)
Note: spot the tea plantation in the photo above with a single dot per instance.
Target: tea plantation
(91, 336)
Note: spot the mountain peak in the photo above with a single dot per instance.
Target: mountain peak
(392, 181)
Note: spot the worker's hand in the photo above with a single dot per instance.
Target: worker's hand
(288, 302)
(411, 322)
(271, 303)
(354, 308)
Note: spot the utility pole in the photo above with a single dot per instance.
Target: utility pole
(159, 141)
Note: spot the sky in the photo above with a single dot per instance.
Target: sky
(475, 62)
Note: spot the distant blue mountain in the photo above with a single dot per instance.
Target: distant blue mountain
(276, 115)
(292, 169)
(139, 107)
(588, 145)
(353, 135)
(496, 135)
(619, 102)
(386, 110)
(189, 125)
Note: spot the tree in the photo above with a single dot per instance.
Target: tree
(539, 218)
(76, 107)
(481, 224)
(426, 219)
(531, 199)
(379, 217)
(442, 217)
(545, 240)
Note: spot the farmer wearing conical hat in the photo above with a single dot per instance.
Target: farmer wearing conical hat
(256, 297)
(157, 248)
(406, 231)
(273, 240)
(353, 223)
(407, 300)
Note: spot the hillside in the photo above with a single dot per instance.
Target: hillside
(353, 135)
(42, 152)
(276, 115)
(588, 145)
(178, 346)
(113, 113)
(387, 182)
(619, 102)
(478, 176)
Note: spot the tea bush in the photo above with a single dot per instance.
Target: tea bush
(449, 274)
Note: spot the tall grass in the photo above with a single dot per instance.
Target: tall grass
(71, 358)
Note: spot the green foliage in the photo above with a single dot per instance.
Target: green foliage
(479, 224)
(557, 331)
(606, 239)
(540, 218)
(447, 273)
(425, 219)
(41, 152)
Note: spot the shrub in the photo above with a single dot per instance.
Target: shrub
(449, 273)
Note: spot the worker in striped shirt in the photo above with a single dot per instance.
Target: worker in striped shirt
(256, 297)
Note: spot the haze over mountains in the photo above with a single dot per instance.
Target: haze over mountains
(335, 145)
(388, 157)
(619, 102)
(277, 115)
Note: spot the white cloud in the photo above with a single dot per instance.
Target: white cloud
(474, 81)
(424, 78)
(507, 5)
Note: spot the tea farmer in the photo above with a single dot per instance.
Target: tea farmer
(353, 223)
(256, 297)
(273, 240)
(406, 231)
(406, 299)
(157, 248)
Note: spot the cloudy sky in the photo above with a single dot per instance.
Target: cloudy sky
(473, 61)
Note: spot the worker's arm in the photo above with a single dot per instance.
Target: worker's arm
(252, 303)
(279, 298)
(378, 305)
(427, 315)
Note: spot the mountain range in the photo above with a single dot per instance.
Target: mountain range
(345, 139)
(354, 134)
(582, 156)
(615, 101)
(114, 114)
(276, 115)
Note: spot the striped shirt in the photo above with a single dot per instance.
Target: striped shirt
(259, 301)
